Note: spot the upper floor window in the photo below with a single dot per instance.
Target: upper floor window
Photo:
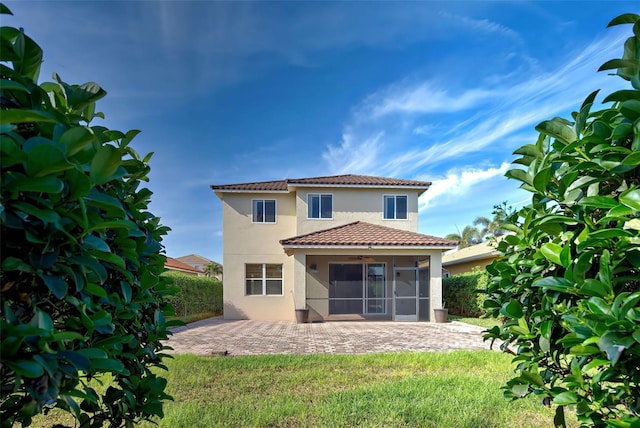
(395, 207)
(263, 211)
(320, 206)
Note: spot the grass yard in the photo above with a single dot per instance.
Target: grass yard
(456, 389)
(482, 322)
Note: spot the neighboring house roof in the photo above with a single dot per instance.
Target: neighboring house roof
(192, 257)
(366, 235)
(348, 180)
(474, 252)
(175, 264)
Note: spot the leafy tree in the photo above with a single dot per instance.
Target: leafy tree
(213, 269)
(568, 284)
(80, 287)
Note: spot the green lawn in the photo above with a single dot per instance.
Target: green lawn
(482, 322)
(456, 389)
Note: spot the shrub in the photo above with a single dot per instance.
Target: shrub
(196, 295)
(569, 282)
(81, 293)
(461, 293)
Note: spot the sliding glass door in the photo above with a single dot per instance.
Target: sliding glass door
(357, 288)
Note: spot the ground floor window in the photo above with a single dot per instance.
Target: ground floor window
(262, 279)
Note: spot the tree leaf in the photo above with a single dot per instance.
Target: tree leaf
(552, 252)
(46, 159)
(520, 175)
(512, 309)
(619, 63)
(631, 198)
(614, 344)
(25, 368)
(557, 129)
(25, 116)
(622, 95)
(593, 287)
(554, 283)
(76, 139)
(598, 202)
(625, 18)
(565, 398)
(541, 179)
(84, 94)
(104, 164)
(95, 289)
(56, 285)
(93, 242)
(631, 109)
(29, 57)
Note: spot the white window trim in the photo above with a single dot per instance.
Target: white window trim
(264, 280)
(320, 195)
(395, 195)
(275, 203)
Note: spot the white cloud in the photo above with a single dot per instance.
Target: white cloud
(424, 129)
(421, 98)
(457, 183)
(491, 118)
(352, 155)
(481, 25)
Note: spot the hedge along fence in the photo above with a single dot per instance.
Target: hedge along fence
(196, 295)
(461, 295)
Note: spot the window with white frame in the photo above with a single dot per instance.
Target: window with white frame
(263, 211)
(395, 207)
(320, 206)
(262, 279)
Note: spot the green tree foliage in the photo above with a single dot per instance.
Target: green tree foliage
(81, 293)
(568, 284)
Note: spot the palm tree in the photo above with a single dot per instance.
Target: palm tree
(492, 228)
(470, 236)
(213, 269)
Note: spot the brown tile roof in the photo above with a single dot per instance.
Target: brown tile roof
(174, 264)
(361, 234)
(358, 180)
(333, 180)
(262, 186)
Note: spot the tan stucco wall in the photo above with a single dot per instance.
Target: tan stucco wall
(246, 242)
(351, 205)
(458, 268)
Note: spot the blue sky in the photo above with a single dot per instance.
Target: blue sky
(228, 92)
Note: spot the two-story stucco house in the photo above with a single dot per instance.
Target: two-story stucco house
(345, 245)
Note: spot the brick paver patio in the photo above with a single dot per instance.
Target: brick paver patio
(246, 337)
